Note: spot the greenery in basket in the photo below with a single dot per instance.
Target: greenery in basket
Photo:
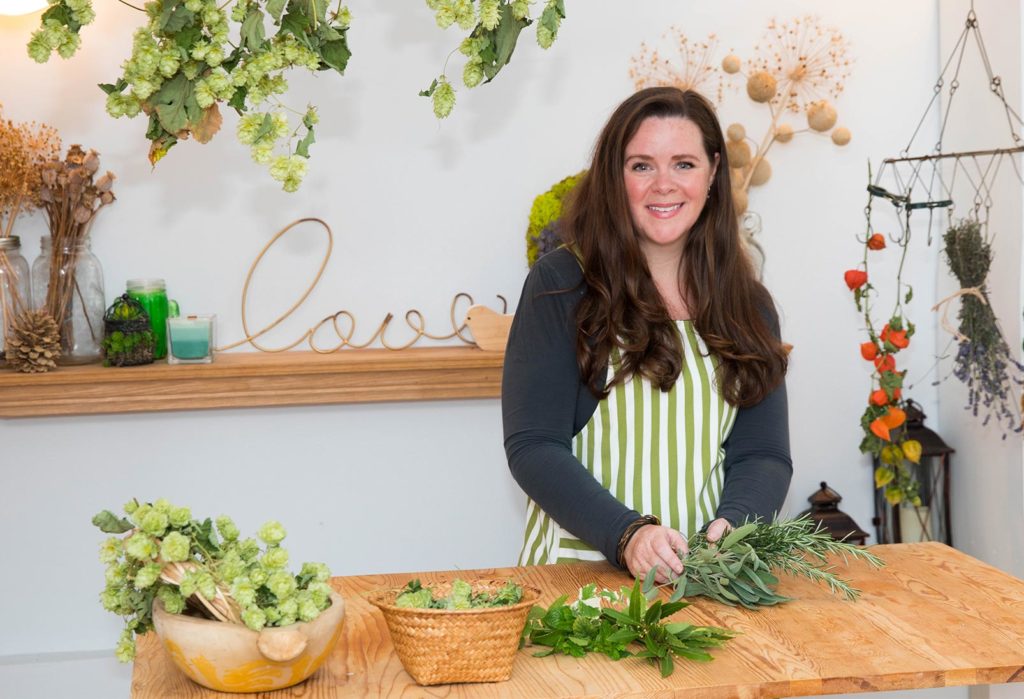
(611, 623)
(738, 570)
(201, 567)
(460, 597)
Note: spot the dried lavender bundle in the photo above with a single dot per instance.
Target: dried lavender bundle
(984, 362)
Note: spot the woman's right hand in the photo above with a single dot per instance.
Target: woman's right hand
(656, 546)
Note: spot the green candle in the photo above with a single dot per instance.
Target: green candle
(152, 296)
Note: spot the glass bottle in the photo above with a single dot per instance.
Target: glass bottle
(15, 290)
(152, 296)
(68, 283)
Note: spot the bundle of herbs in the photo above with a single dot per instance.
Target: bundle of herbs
(983, 361)
(611, 623)
(740, 569)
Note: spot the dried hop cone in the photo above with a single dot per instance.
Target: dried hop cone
(33, 345)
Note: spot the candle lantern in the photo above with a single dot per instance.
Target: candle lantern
(825, 511)
(905, 523)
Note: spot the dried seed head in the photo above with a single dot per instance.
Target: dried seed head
(92, 162)
(761, 86)
(784, 133)
(82, 214)
(841, 136)
(761, 174)
(821, 116)
(104, 183)
(736, 132)
(738, 153)
(731, 64)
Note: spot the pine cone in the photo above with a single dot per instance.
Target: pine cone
(34, 343)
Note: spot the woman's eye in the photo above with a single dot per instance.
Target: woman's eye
(684, 166)
(640, 167)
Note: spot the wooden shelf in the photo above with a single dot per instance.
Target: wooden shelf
(251, 379)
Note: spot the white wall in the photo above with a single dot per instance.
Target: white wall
(421, 210)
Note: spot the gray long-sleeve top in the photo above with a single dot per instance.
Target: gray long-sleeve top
(545, 402)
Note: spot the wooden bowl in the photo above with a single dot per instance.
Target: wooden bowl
(233, 658)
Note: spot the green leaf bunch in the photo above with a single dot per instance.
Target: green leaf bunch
(183, 67)
(614, 624)
(461, 596)
(156, 537)
(496, 26)
(740, 569)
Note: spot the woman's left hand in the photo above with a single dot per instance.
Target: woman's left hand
(717, 529)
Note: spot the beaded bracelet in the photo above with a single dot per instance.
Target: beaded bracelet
(632, 529)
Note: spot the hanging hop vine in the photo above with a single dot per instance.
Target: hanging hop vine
(496, 25)
(183, 66)
(983, 361)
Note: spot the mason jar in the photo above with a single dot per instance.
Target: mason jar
(15, 290)
(68, 283)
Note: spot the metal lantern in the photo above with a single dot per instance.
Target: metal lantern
(930, 522)
(825, 511)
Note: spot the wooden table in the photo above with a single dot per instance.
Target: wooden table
(933, 617)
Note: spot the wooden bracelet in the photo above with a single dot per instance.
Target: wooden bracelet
(632, 529)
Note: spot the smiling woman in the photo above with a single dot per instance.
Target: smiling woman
(644, 372)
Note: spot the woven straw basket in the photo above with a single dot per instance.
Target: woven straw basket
(442, 646)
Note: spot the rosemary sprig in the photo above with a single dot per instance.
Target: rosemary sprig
(739, 570)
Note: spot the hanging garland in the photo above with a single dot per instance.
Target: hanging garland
(884, 419)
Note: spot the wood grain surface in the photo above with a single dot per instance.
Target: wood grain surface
(933, 617)
(249, 379)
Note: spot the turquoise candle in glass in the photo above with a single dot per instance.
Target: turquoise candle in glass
(190, 339)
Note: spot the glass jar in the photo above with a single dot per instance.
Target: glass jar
(15, 291)
(68, 283)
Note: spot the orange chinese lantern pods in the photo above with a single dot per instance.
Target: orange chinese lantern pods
(876, 242)
(885, 363)
(855, 278)
(869, 350)
(880, 429)
(894, 418)
(879, 397)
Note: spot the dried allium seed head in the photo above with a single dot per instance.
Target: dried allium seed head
(784, 133)
(761, 86)
(731, 64)
(738, 153)
(736, 132)
(821, 116)
(761, 174)
(841, 136)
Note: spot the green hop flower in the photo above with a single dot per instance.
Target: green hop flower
(465, 15)
(248, 549)
(445, 16)
(175, 547)
(308, 610)
(317, 571)
(473, 73)
(38, 50)
(244, 592)
(179, 516)
(520, 9)
(273, 615)
(444, 98)
(226, 527)
(545, 37)
(490, 13)
(194, 5)
(172, 599)
(231, 566)
(254, 618)
(320, 593)
(116, 574)
(345, 17)
(141, 547)
(258, 575)
(110, 600)
(155, 522)
(125, 648)
(147, 575)
(110, 550)
(289, 607)
(275, 557)
(207, 586)
(282, 584)
(271, 533)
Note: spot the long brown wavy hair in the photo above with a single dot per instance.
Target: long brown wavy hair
(622, 308)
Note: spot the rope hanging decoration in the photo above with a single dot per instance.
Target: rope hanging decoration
(413, 317)
(928, 182)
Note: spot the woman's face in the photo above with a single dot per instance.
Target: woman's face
(667, 177)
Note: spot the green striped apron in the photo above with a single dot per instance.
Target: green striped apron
(658, 453)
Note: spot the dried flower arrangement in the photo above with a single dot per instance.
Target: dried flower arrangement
(796, 67)
(24, 148)
(70, 196)
(183, 66)
(983, 361)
